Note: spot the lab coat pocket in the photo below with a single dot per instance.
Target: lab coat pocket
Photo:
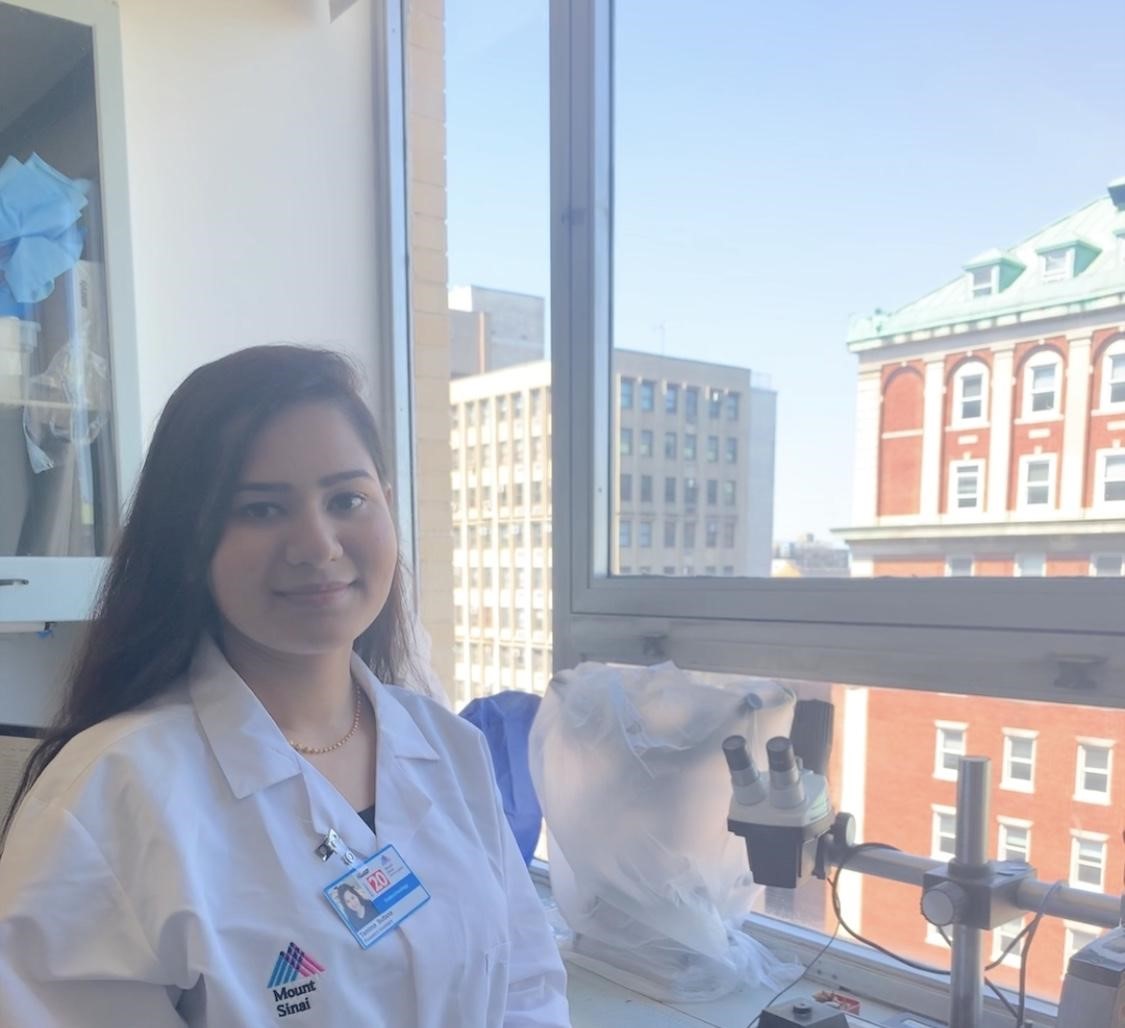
(496, 961)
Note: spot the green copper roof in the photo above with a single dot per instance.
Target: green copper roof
(1099, 279)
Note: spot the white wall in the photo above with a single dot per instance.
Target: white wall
(251, 178)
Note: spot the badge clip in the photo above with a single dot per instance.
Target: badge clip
(332, 844)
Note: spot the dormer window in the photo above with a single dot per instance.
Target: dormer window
(984, 280)
(1061, 261)
(991, 273)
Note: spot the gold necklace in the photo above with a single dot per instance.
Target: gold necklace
(301, 748)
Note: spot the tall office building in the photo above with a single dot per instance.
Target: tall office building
(490, 329)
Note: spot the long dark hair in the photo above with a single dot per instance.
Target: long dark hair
(155, 604)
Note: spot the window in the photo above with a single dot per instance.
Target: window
(1031, 565)
(1041, 385)
(983, 280)
(728, 534)
(670, 489)
(1019, 760)
(712, 449)
(732, 406)
(949, 749)
(689, 447)
(625, 534)
(970, 382)
(714, 403)
(1003, 937)
(671, 398)
(517, 405)
(669, 445)
(1087, 860)
(648, 395)
(1056, 265)
(959, 567)
(646, 442)
(691, 492)
(944, 833)
(646, 488)
(691, 403)
(536, 402)
(1077, 937)
(712, 533)
(1106, 565)
(732, 450)
(670, 536)
(712, 492)
(1112, 476)
(1037, 481)
(1015, 840)
(626, 442)
(964, 485)
(728, 493)
(644, 534)
(1113, 375)
(689, 536)
(1094, 771)
(625, 489)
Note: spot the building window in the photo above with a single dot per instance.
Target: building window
(1077, 937)
(626, 442)
(689, 447)
(689, 536)
(1031, 565)
(1056, 265)
(712, 492)
(625, 534)
(671, 398)
(1005, 936)
(1041, 385)
(958, 567)
(1015, 840)
(732, 406)
(983, 280)
(728, 533)
(969, 386)
(712, 449)
(1019, 760)
(714, 404)
(648, 395)
(535, 404)
(1037, 480)
(625, 489)
(1106, 565)
(1094, 771)
(646, 488)
(712, 533)
(691, 403)
(965, 484)
(669, 445)
(644, 534)
(949, 749)
(670, 535)
(1113, 375)
(626, 394)
(732, 450)
(670, 489)
(669, 569)
(1112, 476)
(645, 447)
(691, 492)
(728, 570)
(1087, 860)
(944, 833)
(728, 493)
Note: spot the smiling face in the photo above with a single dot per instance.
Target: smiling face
(308, 553)
(352, 902)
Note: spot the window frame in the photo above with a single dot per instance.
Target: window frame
(1059, 274)
(1081, 793)
(1023, 503)
(940, 728)
(970, 369)
(1004, 825)
(1104, 456)
(953, 506)
(1007, 782)
(1077, 837)
(1114, 349)
(1037, 361)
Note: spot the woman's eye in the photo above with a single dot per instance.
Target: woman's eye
(261, 510)
(344, 502)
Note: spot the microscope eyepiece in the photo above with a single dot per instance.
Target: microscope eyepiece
(734, 749)
(779, 752)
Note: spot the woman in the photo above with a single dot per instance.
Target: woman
(355, 908)
(227, 754)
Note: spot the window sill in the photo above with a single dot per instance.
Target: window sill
(1097, 799)
(1027, 788)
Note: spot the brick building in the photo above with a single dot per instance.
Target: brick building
(991, 441)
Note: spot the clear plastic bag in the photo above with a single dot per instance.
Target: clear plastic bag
(628, 766)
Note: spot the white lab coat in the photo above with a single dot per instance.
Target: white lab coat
(166, 857)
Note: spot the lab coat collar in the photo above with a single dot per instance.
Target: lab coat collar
(252, 751)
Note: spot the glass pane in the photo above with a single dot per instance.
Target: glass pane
(58, 475)
(847, 321)
(499, 307)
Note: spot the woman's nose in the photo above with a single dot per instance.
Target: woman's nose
(312, 540)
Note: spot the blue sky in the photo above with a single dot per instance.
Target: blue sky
(780, 167)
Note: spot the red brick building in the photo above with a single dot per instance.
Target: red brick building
(991, 441)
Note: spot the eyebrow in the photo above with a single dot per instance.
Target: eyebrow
(283, 487)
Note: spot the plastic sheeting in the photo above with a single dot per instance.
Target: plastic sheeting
(628, 767)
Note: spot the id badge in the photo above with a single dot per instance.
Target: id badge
(374, 897)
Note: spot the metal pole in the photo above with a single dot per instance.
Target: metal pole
(966, 1006)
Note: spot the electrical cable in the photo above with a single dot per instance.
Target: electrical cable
(808, 967)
